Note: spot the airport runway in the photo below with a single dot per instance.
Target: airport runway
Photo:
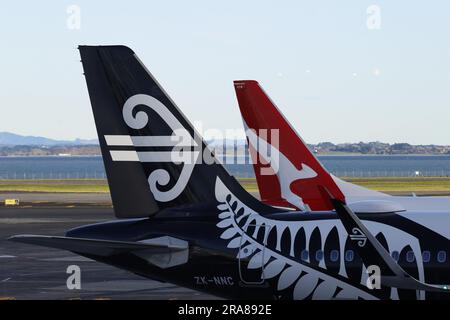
(32, 272)
(63, 198)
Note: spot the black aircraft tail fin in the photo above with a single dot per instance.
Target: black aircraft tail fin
(153, 157)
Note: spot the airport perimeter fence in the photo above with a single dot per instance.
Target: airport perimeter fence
(85, 175)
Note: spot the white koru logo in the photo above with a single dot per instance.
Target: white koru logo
(359, 237)
(181, 142)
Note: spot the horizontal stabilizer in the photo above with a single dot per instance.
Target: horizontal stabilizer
(164, 248)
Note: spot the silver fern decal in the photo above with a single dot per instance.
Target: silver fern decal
(305, 280)
(248, 232)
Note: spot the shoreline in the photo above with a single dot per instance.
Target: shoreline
(230, 155)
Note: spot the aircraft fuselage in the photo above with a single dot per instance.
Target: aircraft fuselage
(316, 241)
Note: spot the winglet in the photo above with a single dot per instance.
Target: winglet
(372, 252)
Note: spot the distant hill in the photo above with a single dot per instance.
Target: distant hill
(12, 139)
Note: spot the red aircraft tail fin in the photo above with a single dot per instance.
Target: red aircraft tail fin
(287, 172)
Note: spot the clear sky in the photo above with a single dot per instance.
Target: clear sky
(335, 78)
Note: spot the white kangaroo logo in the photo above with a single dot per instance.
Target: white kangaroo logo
(288, 173)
